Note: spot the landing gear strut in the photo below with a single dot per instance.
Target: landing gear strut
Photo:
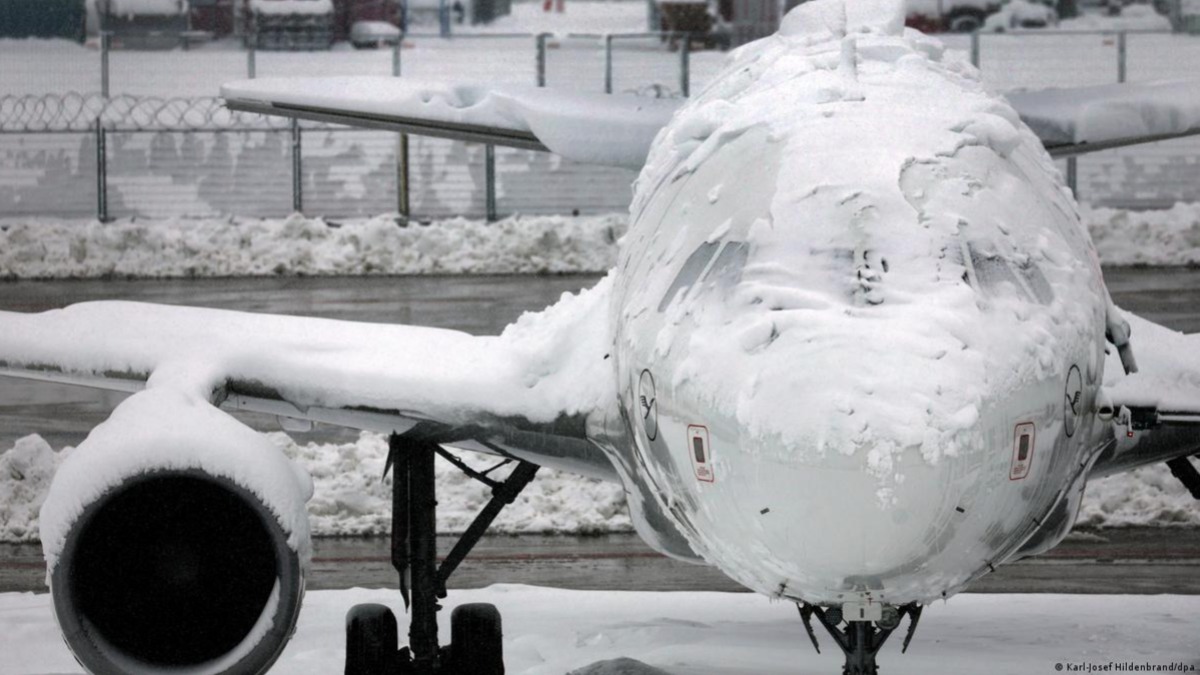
(860, 640)
(1183, 470)
(475, 648)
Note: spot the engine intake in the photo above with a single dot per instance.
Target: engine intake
(177, 570)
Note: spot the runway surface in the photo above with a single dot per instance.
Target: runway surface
(1121, 561)
(1110, 561)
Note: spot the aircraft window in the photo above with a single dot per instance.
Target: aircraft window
(698, 448)
(1036, 281)
(727, 270)
(994, 274)
(1023, 448)
(692, 268)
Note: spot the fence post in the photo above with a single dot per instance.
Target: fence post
(297, 170)
(608, 64)
(489, 168)
(685, 68)
(105, 45)
(402, 178)
(251, 66)
(975, 49)
(1121, 57)
(396, 56)
(541, 59)
(1073, 175)
(101, 172)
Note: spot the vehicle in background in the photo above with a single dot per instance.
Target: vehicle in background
(143, 24)
(1021, 15)
(373, 34)
(290, 24)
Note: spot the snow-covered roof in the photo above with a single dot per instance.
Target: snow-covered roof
(292, 6)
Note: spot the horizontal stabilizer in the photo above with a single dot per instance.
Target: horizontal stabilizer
(608, 129)
(1087, 119)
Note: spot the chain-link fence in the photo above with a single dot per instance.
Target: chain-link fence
(160, 144)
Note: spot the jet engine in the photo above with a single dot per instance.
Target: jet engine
(177, 541)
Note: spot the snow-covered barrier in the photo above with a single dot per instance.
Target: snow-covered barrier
(176, 540)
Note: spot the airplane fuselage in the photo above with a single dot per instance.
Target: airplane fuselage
(858, 327)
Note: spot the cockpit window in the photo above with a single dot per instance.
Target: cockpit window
(725, 271)
(995, 274)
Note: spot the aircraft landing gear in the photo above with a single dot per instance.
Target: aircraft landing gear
(1183, 470)
(860, 640)
(475, 629)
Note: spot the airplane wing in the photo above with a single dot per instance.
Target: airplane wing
(526, 392)
(1156, 409)
(618, 129)
(592, 128)
(1079, 120)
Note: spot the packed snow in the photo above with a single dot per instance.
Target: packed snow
(552, 632)
(616, 130)
(54, 248)
(350, 497)
(197, 436)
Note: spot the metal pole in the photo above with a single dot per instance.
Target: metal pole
(608, 64)
(251, 66)
(101, 172)
(1073, 175)
(1121, 54)
(105, 45)
(423, 631)
(489, 166)
(541, 59)
(396, 56)
(402, 177)
(297, 170)
(975, 49)
(685, 75)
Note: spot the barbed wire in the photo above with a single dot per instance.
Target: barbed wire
(79, 112)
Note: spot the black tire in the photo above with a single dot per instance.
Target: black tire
(476, 640)
(371, 640)
(965, 21)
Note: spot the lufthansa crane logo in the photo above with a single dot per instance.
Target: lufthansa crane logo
(1072, 401)
(648, 405)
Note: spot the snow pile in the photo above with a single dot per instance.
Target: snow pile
(26, 470)
(143, 7)
(44, 248)
(350, 496)
(1146, 496)
(32, 248)
(1167, 237)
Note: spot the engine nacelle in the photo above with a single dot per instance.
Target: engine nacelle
(177, 541)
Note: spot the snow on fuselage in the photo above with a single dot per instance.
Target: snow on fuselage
(859, 326)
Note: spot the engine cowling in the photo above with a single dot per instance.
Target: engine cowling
(174, 543)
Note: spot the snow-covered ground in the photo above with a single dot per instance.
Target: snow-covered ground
(41, 248)
(552, 632)
(351, 499)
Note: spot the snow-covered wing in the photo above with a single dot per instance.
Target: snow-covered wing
(1158, 407)
(593, 128)
(1087, 119)
(539, 379)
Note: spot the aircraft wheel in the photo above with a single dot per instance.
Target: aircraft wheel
(371, 640)
(476, 640)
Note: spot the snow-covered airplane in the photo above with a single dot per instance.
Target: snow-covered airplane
(853, 355)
